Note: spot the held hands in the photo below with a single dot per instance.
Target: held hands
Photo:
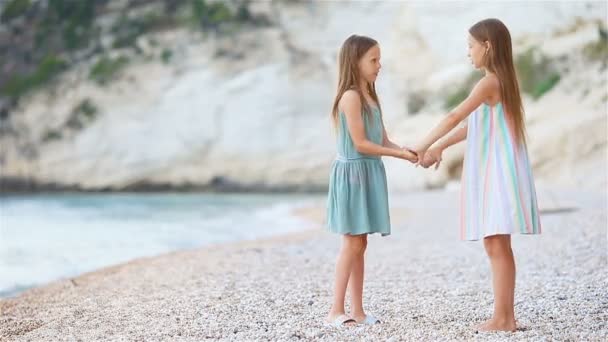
(408, 154)
(426, 158)
(432, 156)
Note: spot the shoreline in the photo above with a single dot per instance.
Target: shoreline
(85, 277)
(17, 186)
(306, 213)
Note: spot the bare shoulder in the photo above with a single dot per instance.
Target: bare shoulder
(489, 82)
(492, 80)
(350, 101)
(488, 86)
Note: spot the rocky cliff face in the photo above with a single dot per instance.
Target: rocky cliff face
(251, 110)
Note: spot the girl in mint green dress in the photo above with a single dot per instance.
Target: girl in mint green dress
(358, 196)
(357, 202)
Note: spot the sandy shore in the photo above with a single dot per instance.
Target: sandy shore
(421, 281)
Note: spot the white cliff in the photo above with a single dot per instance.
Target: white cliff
(259, 115)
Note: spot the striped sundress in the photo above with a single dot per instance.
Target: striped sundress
(498, 194)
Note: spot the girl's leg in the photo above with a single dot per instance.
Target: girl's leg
(498, 248)
(356, 282)
(351, 247)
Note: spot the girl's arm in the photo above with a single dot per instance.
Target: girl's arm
(455, 138)
(433, 155)
(482, 91)
(351, 105)
(386, 141)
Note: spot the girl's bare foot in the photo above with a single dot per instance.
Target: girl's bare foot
(497, 325)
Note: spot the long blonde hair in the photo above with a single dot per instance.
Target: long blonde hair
(499, 61)
(353, 48)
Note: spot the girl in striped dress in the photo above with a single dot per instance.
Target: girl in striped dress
(498, 196)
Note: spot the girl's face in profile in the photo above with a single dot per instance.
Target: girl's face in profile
(476, 52)
(369, 64)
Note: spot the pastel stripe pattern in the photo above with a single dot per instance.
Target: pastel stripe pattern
(498, 195)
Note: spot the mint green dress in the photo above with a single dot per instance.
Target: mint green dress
(357, 200)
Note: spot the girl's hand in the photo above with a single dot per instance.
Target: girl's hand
(409, 154)
(420, 153)
(432, 156)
